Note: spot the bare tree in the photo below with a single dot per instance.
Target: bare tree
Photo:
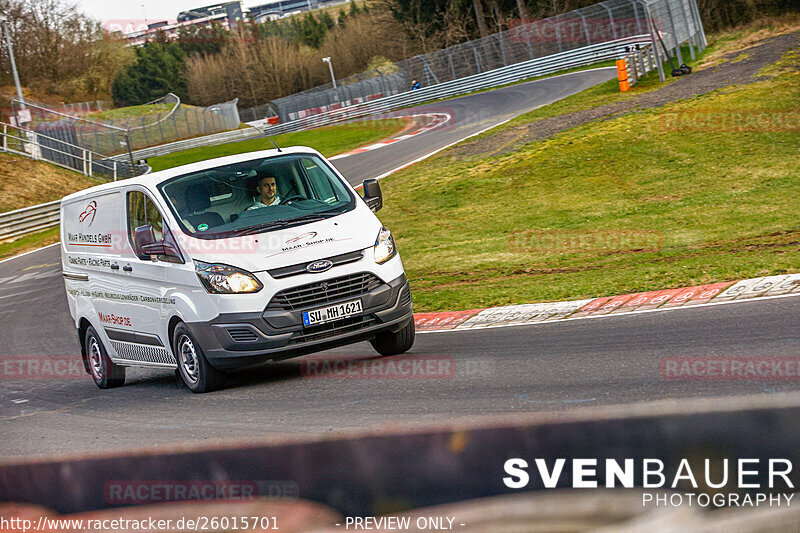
(61, 51)
(480, 17)
(523, 10)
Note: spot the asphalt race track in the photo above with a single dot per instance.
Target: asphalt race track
(470, 115)
(544, 367)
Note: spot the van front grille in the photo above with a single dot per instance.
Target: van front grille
(324, 292)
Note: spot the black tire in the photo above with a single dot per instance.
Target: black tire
(389, 343)
(194, 369)
(105, 374)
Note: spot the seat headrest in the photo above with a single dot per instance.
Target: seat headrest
(197, 198)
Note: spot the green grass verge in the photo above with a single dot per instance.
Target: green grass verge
(29, 242)
(723, 203)
(122, 113)
(602, 94)
(329, 141)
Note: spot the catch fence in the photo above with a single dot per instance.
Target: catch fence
(668, 23)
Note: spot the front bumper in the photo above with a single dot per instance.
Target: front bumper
(236, 340)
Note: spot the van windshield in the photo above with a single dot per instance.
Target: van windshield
(256, 196)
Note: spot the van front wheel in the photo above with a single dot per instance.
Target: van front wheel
(105, 374)
(389, 343)
(193, 368)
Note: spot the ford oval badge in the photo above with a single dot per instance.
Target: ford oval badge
(319, 266)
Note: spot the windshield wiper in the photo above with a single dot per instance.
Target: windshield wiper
(317, 216)
(249, 230)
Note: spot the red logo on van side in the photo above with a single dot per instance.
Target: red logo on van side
(91, 210)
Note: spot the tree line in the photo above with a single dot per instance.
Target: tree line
(441, 23)
(260, 62)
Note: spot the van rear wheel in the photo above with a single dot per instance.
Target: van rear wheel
(105, 374)
(193, 368)
(389, 343)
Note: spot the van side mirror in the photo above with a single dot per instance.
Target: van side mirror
(372, 195)
(144, 240)
(144, 237)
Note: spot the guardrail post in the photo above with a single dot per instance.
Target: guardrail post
(585, 27)
(115, 170)
(652, 28)
(636, 14)
(5, 138)
(611, 18)
(674, 33)
(91, 172)
(477, 58)
(83, 156)
(699, 22)
(502, 50)
(558, 34)
(528, 26)
(640, 59)
(452, 66)
(690, 30)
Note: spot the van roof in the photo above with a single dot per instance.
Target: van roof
(154, 178)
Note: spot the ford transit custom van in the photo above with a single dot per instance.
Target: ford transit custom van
(228, 263)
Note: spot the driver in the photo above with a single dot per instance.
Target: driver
(267, 190)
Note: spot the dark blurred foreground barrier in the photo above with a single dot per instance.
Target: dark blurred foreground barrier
(374, 473)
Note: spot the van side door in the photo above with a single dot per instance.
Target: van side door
(146, 284)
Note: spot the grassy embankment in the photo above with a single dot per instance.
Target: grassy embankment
(703, 204)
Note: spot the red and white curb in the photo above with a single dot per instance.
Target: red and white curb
(513, 315)
(434, 120)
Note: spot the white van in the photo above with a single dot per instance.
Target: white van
(228, 263)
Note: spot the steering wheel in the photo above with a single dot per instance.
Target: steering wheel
(291, 199)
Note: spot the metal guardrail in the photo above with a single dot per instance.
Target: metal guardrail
(494, 78)
(639, 63)
(177, 146)
(677, 21)
(40, 147)
(29, 220)
(534, 68)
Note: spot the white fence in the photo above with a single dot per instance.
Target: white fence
(41, 147)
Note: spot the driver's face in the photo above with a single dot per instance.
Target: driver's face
(267, 188)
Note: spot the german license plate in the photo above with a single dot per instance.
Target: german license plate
(329, 314)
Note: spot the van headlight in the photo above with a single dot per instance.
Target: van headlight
(385, 248)
(225, 279)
